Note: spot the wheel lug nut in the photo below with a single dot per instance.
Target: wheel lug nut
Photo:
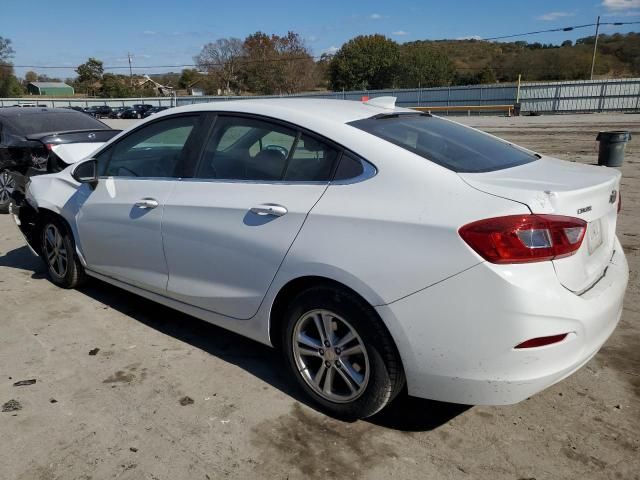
(326, 343)
(338, 364)
(321, 352)
(338, 351)
(327, 364)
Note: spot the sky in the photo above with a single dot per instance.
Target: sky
(160, 32)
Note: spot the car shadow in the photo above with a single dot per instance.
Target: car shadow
(405, 413)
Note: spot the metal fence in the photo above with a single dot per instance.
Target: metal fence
(543, 97)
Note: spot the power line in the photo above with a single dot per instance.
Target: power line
(310, 57)
(560, 29)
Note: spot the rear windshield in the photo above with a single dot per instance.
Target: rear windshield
(451, 145)
(43, 122)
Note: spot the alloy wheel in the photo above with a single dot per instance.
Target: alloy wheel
(7, 186)
(55, 252)
(330, 356)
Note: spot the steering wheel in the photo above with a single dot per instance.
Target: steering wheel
(277, 148)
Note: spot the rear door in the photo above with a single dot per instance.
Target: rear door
(119, 222)
(227, 230)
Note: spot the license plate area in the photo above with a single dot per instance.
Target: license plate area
(594, 235)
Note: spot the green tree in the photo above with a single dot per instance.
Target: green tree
(189, 77)
(115, 86)
(259, 71)
(365, 62)
(89, 74)
(421, 65)
(9, 84)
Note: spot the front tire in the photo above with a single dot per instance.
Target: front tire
(57, 249)
(340, 353)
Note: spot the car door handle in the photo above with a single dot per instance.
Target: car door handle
(266, 209)
(147, 203)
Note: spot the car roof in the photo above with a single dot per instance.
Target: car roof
(314, 114)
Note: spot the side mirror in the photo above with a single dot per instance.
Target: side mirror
(86, 172)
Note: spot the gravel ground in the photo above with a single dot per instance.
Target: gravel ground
(132, 390)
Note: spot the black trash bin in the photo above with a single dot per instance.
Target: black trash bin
(611, 153)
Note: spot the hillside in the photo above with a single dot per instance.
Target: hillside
(482, 61)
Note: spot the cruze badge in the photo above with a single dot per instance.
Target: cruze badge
(92, 135)
(613, 196)
(584, 210)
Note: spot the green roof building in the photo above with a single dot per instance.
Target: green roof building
(52, 89)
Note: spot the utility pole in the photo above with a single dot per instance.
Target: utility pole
(131, 70)
(595, 48)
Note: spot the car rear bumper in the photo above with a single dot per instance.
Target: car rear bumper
(457, 338)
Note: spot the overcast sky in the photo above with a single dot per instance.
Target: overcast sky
(66, 33)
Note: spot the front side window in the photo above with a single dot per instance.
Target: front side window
(448, 144)
(258, 150)
(154, 150)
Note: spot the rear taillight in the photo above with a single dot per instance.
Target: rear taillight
(524, 238)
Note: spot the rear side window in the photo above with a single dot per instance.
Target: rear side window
(448, 144)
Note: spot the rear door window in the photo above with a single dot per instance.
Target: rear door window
(448, 144)
(253, 149)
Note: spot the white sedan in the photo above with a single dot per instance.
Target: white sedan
(378, 247)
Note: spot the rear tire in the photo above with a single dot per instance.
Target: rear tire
(7, 185)
(57, 249)
(340, 353)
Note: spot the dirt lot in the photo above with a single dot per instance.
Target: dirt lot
(118, 413)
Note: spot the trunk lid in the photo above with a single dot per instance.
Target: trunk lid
(564, 188)
(73, 146)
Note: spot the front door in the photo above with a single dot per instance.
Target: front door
(227, 231)
(119, 223)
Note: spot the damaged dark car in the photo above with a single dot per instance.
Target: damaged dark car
(35, 141)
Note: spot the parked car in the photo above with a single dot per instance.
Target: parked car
(136, 111)
(41, 140)
(99, 111)
(77, 109)
(376, 246)
(153, 111)
(116, 112)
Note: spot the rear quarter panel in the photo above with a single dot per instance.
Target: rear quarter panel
(393, 234)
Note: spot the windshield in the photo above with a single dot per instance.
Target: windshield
(448, 144)
(44, 122)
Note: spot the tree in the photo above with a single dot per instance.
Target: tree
(421, 66)
(9, 84)
(365, 62)
(89, 73)
(222, 59)
(30, 76)
(115, 86)
(259, 72)
(6, 51)
(296, 68)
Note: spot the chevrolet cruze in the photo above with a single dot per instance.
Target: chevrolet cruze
(378, 247)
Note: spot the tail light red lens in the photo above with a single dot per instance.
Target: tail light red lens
(542, 341)
(524, 238)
